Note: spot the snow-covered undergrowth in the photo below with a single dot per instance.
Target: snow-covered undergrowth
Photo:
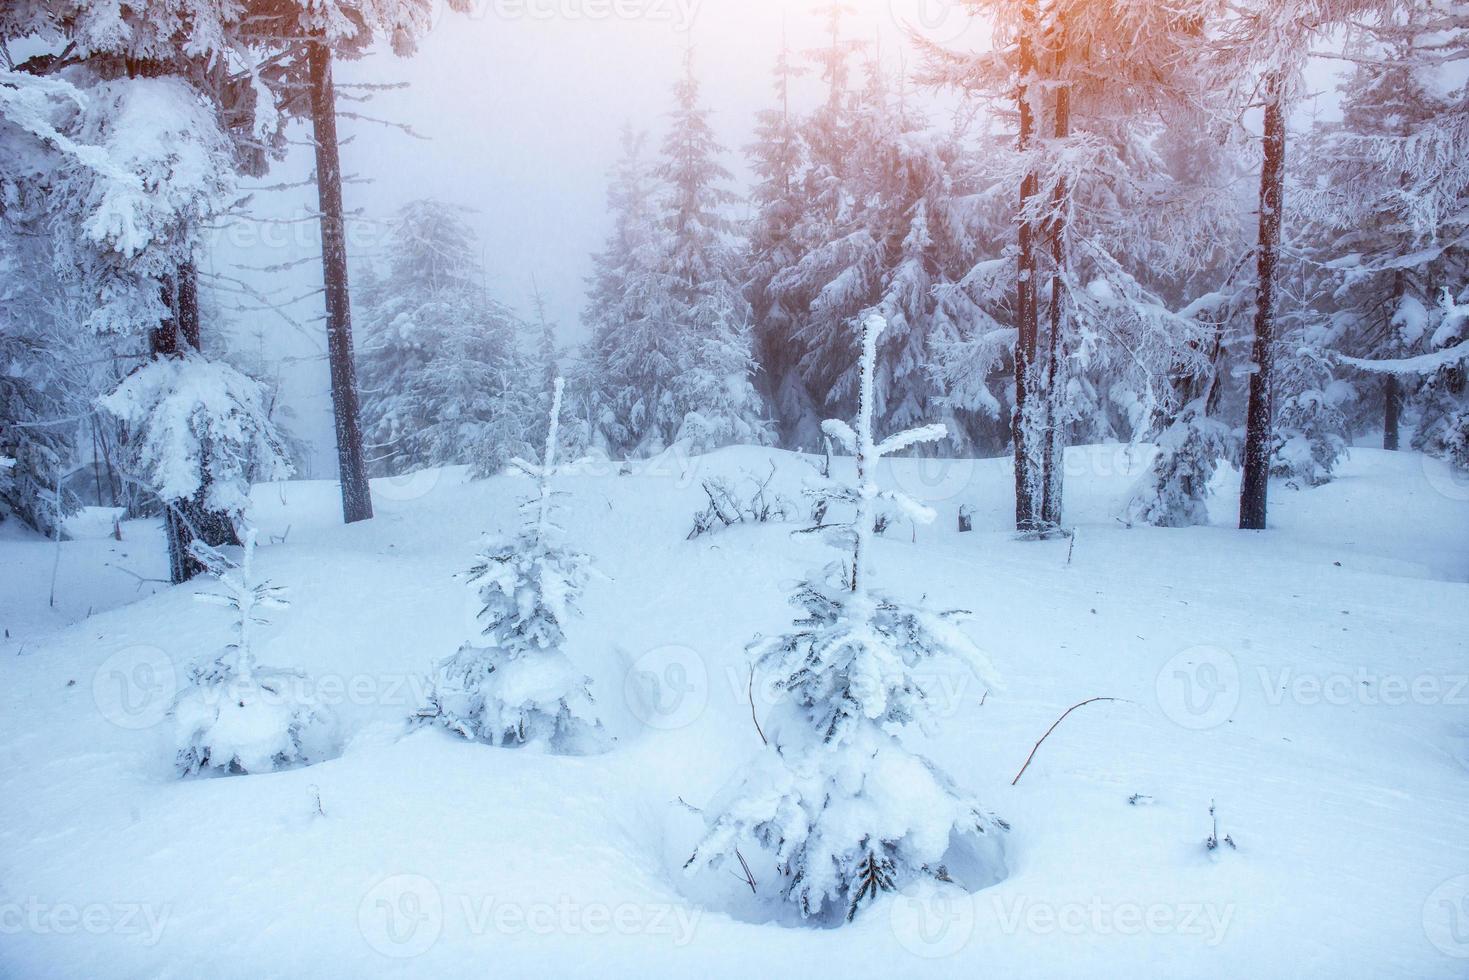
(1310, 681)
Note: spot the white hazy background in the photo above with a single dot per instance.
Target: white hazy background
(520, 104)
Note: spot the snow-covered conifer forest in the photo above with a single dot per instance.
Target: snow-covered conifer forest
(666, 488)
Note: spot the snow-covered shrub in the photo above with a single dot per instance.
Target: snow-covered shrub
(513, 684)
(844, 807)
(729, 505)
(200, 431)
(235, 716)
(1175, 490)
(1310, 424)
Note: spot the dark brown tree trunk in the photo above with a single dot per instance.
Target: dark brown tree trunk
(1392, 392)
(188, 307)
(1025, 290)
(187, 519)
(356, 493)
(1392, 403)
(1053, 462)
(1259, 436)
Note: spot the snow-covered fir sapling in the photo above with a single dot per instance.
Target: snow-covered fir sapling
(236, 716)
(513, 684)
(844, 809)
(1174, 492)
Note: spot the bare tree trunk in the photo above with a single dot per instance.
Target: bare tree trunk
(1053, 463)
(1392, 404)
(1259, 435)
(1025, 290)
(1392, 392)
(351, 465)
(188, 306)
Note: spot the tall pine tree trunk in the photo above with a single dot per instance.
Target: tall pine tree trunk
(356, 494)
(187, 518)
(1053, 462)
(1392, 392)
(1025, 291)
(1259, 435)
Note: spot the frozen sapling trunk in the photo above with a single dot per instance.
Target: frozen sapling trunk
(235, 716)
(844, 808)
(512, 684)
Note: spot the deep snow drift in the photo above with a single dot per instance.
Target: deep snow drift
(1312, 681)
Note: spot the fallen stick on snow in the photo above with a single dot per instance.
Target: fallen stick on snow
(1052, 729)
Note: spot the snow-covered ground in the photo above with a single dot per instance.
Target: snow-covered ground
(1312, 681)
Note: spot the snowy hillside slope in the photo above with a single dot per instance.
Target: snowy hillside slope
(1312, 680)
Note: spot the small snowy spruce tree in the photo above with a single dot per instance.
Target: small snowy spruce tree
(234, 716)
(513, 684)
(846, 809)
(1175, 490)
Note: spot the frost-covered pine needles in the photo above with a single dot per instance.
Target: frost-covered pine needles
(837, 803)
(512, 684)
(236, 716)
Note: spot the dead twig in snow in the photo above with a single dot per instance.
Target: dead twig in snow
(1052, 729)
(750, 692)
